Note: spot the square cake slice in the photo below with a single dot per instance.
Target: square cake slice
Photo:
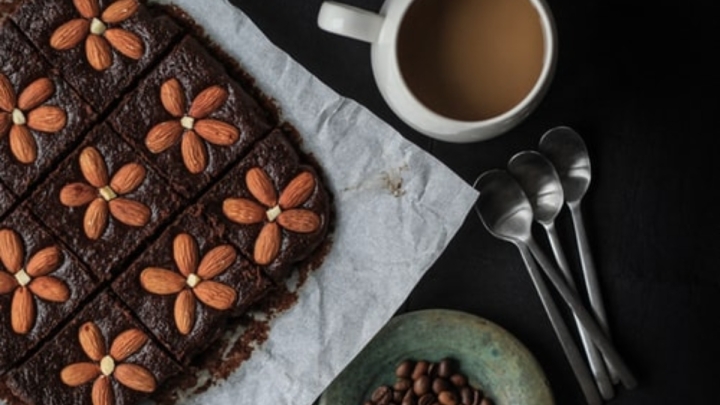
(104, 356)
(100, 46)
(190, 118)
(41, 284)
(41, 116)
(272, 206)
(104, 201)
(188, 283)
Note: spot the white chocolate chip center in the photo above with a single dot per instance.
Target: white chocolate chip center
(107, 365)
(23, 278)
(97, 27)
(18, 117)
(273, 213)
(187, 122)
(193, 280)
(108, 193)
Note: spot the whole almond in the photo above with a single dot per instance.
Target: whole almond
(300, 221)
(36, 93)
(216, 261)
(127, 343)
(43, 262)
(92, 341)
(22, 311)
(185, 253)
(50, 289)
(172, 97)
(93, 167)
(261, 187)
(87, 8)
(130, 212)
(298, 191)
(125, 42)
(215, 295)
(77, 194)
(161, 281)
(47, 119)
(217, 132)
(120, 11)
(267, 244)
(11, 250)
(184, 311)
(22, 144)
(102, 394)
(7, 94)
(98, 52)
(208, 101)
(70, 34)
(243, 211)
(163, 135)
(135, 377)
(193, 152)
(7, 283)
(128, 178)
(79, 373)
(96, 219)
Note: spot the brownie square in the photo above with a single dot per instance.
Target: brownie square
(277, 158)
(6, 200)
(125, 230)
(40, 20)
(51, 124)
(144, 112)
(156, 310)
(44, 378)
(39, 274)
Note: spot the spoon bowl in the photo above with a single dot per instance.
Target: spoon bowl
(540, 182)
(503, 207)
(567, 151)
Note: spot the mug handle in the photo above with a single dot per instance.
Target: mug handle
(349, 21)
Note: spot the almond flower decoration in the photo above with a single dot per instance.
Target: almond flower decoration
(105, 366)
(192, 125)
(273, 212)
(93, 28)
(24, 282)
(193, 280)
(18, 115)
(105, 195)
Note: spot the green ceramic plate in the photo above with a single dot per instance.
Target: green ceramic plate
(490, 356)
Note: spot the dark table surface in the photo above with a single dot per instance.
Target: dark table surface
(639, 81)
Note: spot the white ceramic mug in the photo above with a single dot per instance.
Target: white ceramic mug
(381, 30)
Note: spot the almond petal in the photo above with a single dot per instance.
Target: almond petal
(185, 253)
(135, 377)
(68, 35)
(22, 311)
(216, 261)
(48, 119)
(173, 98)
(78, 374)
(194, 153)
(261, 186)
(300, 221)
(217, 132)
(22, 144)
(102, 393)
(36, 93)
(208, 101)
(163, 135)
(298, 191)
(120, 11)
(130, 212)
(128, 178)
(7, 94)
(96, 219)
(243, 211)
(185, 311)
(50, 289)
(5, 123)
(215, 295)
(7, 283)
(267, 244)
(98, 52)
(44, 262)
(93, 167)
(127, 344)
(126, 43)
(87, 8)
(92, 341)
(77, 194)
(12, 253)
(161, 281)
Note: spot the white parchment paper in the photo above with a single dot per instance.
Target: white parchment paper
(397, 209)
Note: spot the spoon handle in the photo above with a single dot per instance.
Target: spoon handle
(597, 364)
(596, 333)
(590, 274)
(582, 373)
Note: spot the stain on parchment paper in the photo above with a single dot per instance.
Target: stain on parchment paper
(390, 180)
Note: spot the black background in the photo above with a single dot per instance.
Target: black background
(639, 81)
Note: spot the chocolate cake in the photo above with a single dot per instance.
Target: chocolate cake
(149, 198)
